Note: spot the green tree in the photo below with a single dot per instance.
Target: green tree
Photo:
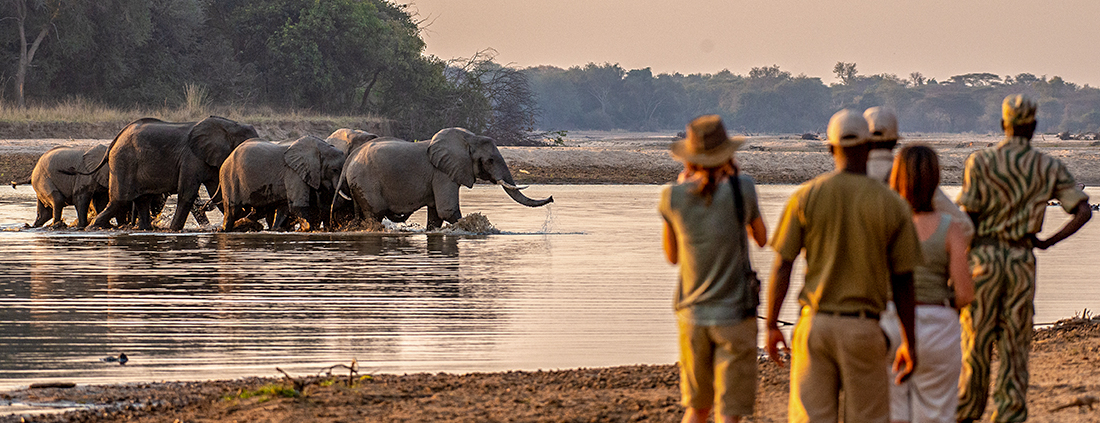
(846, 72)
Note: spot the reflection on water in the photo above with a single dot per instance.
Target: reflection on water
(580, 283)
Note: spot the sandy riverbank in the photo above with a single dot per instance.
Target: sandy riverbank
(1063, 369)
(626, 158)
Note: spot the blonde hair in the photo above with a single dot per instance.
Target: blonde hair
(707, 178)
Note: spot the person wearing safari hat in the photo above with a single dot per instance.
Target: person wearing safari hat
(709, 213)
(1005, 192)
(860, 246)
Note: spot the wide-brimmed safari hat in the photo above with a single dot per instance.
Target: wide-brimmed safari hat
(1018, 109)
(882, 123)
(707, 143)
(847, 128)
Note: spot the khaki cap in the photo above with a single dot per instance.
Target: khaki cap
(706, 144)
(847, 128)
(882, 123)
(1017, 109)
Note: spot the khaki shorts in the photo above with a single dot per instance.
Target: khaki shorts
(718, 367)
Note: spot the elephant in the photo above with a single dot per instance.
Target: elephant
(347, 140)
(56, 189)
(150, 157)
(392, 178)
(297, 178)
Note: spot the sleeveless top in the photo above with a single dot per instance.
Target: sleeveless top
(930, 278)
(712, 288)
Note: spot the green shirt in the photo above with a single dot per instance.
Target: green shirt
(711, 248)
(856, 232)
(1009, 185)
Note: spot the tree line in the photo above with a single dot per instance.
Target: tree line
(366, 57)
(339, 57)
(770, 100)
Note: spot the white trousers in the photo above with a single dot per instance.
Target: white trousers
(932, 392)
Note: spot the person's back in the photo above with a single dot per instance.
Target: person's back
(847, 223)
(706, 223)
(712, 289)
(931, 394)
(1005, 191)
(860, 246)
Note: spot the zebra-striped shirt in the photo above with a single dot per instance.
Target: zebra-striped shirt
(1009, 185)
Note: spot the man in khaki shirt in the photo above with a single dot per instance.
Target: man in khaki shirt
(857, 235)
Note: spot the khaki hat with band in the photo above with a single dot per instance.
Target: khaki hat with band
(707, 143)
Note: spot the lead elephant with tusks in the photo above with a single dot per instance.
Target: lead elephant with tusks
(150, 157)
(298, 178)
(393, 178)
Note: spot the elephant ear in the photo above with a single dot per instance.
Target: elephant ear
(450, 153)
(209, 140)
(303, 156)
(92, 158)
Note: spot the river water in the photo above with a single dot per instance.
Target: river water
(579, 283)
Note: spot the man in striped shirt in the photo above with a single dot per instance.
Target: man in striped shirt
(1005, 191)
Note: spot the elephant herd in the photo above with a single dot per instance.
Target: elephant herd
(308, 183)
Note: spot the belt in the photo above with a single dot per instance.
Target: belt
(1001, 242)
(855, 314)
(945, 303)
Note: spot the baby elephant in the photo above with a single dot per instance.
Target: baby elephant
(56, 189)
(297, 178)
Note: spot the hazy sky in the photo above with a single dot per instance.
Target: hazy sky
(938, 38)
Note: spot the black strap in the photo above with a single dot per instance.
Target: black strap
(738, 201)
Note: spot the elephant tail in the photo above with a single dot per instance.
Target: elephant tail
(14, 183)
(339, 194)
(207, 205)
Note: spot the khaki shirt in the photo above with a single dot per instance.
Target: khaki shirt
(1009, 185)
(856, 233)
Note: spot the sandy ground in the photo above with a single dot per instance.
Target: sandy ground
(1065, 380)
(1063, 361)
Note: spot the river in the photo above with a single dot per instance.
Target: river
(579, 283)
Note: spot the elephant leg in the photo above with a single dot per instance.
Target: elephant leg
(280, 213)
(229, 221)
(99, 202)
(58, 209)
(185, 200)
(114, 208)
(82, 202)
(45, 213)
(142, 214)
(434, 220)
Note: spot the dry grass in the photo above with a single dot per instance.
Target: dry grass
(197, 105)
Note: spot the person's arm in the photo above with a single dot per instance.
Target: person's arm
(958, 268)
(777, 291)
(668, 237)
(906, 359)
(1081, 215)
(758, 231)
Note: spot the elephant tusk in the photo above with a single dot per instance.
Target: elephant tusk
(344, 195)
(510, 186)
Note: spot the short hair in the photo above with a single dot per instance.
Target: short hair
(916, 175)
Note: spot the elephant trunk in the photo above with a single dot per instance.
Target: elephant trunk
(513, 191)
